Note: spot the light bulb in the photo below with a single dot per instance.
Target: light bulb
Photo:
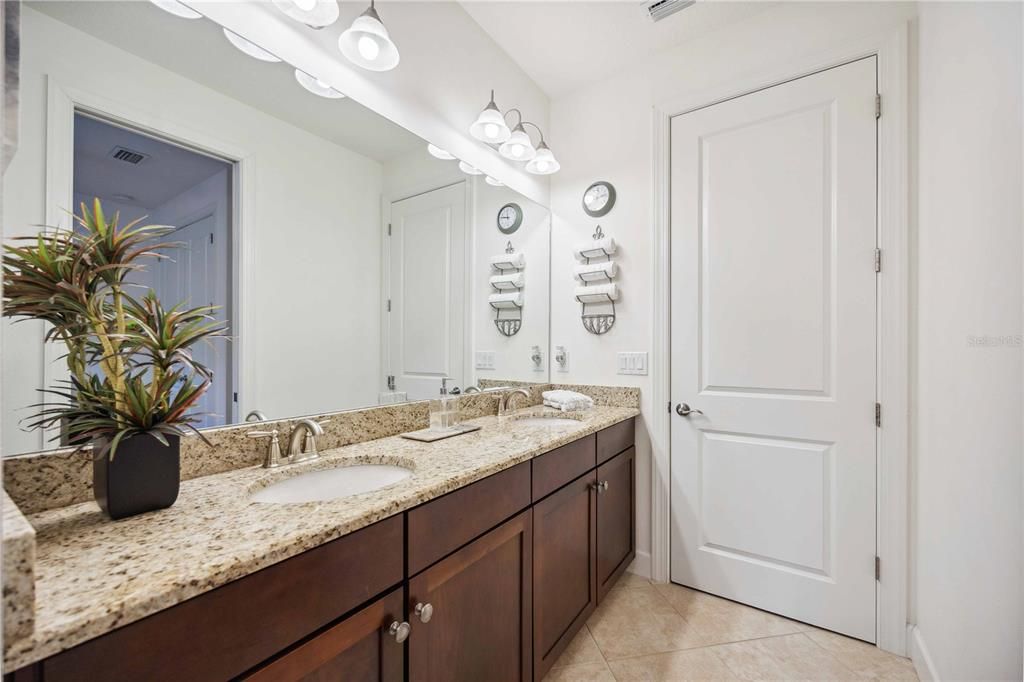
(517, 150)
(368, 48)
(543, 165)
(491, 130)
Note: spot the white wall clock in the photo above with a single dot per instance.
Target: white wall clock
(599, 199)
(510, 217)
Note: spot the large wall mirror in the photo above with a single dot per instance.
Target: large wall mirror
(353, 267)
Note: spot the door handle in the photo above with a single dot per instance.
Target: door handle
(683, 410)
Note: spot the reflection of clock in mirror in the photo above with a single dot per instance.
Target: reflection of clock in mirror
(599, 199)
(510, 217)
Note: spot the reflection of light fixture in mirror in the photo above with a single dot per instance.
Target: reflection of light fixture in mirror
(177, 9)
(493, 183)
(366, 43)
(439, 153)
(313, 13)
(466, 168)
(251, 49)
(490, 126)
(518, 146)
(316, 86)
(544, 163)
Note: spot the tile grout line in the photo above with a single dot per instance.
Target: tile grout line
(707, 646)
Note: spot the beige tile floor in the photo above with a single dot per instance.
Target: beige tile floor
(645, 631)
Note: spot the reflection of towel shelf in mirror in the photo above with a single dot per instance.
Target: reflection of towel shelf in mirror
(598, 288)
(508, 284)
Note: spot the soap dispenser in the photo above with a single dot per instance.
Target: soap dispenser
(445, 415)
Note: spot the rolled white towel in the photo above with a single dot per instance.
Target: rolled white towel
(511, 281)
(598, 293)
(567, 400)
(605, 246)
(509, 261)
(591, 272)
(509, 300)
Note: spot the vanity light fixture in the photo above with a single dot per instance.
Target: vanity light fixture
(492, 182)
(177, 9)
(544, 163)
(518, 146)
(316, 86)
(250, 48)
(439, 153)
(366, 43)
(312, 13)
(490, 126)
(467, 169)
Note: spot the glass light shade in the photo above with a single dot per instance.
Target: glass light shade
(250, 48)
(439, 153)
(314, 13)
(493, 183)
(518, 146)
(367, 44)
(490, 126)
(469, 170)
(177, 9)
(544, 163)
(316, 86)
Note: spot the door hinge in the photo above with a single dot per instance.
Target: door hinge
(391, 382)
(878, 414)
(878, 106)
(670, 407)
(878, 568)
(878, 260)
(234, 396)
(389, 229)
(389, 305)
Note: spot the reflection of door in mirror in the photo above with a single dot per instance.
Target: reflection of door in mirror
(426, 323)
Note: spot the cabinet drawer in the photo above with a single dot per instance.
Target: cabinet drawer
(615, 439)
(357, 648)
(556, 468)
(441, 526)
(222, 633)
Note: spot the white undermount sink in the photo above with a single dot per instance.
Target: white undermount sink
(330, 484)
(557, 422)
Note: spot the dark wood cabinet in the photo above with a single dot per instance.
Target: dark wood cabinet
(361, 647)
(564, 568)
(616, 518)
(480, 602)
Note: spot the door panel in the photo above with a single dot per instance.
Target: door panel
(427, 290)
(616, 519)
(773, 333)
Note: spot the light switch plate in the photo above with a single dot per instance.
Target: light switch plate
(632, 363)
(485, 359)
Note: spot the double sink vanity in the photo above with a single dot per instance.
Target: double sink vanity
(475, 557)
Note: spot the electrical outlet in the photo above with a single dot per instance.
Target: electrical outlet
(561, 359)
(632, 363)
(485, 359)
(537, 358)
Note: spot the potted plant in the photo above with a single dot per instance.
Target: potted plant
(133, 382)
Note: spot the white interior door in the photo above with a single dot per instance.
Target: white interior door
(773, 339)
(427, 290)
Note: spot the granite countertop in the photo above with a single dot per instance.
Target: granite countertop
(94, 575)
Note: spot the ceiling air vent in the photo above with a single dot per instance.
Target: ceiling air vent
(128, 155)
(659, 9)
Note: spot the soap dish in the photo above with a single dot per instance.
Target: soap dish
(429, 436)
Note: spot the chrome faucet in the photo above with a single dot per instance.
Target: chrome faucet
(471, 389)
(302, 442)
(255, 416)
(506, 399)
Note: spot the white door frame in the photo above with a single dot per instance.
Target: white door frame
(892, 531)
(62, 103)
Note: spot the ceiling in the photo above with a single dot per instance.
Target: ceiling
(197, 50)
(168, 171)
(564, 46)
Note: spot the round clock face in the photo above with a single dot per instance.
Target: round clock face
(510, 217)
(598, 199)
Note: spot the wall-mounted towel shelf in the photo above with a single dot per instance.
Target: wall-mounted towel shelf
(599, 292)
(508, 285)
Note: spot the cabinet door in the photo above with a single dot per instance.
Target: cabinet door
(616, 518)
(359, 648)
(480, 600)
(564, 561)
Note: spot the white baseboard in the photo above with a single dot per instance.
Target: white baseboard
(923, 663)
(641, 565)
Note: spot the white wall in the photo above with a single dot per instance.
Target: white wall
(448, 67)
(604, 132)
(314, 244)
(968, 397)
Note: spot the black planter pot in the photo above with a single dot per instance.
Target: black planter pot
(143, 476)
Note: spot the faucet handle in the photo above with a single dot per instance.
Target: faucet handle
(273, 458)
